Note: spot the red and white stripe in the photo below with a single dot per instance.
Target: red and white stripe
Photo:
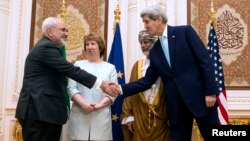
(222, 108)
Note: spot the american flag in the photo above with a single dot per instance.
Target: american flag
(213, 50)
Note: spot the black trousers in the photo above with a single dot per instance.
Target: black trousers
(182, 131)
(33, 130)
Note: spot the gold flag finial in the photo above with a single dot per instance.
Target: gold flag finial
(212, 15)
(63, 11)
(117, 16)
(117, 13)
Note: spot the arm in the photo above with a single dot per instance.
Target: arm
(142, 84)
(127, 110)
(206, 66)
(127, 116)
(127, 113)
(103, 103)
(204, 61)
(75, 96)
(87, 107)
(113, 78)
(107, 100)
(52, 58)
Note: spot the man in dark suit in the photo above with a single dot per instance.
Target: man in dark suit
(42, 106)
(181, 60)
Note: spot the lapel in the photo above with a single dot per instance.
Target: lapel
(171, 45)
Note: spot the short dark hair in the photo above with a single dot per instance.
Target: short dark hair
(98, 39)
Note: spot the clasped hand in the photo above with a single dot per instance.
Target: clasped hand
(110, 88)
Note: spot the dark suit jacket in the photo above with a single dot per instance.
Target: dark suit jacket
(191, 76)
(42, 94)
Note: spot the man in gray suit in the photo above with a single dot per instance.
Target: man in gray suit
(42, 106)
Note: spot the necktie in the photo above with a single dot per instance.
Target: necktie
(63, 51)
(164, 44)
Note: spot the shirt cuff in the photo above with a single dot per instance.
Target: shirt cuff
(111, 98)
(72, 94)
(125, 120)
(121, 90)
(98, 83)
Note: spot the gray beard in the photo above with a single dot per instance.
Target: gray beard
(146, 53)
(63, 41)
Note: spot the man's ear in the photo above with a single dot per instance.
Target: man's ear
(50, 32)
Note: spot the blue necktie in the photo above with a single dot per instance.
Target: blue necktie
(164, 43)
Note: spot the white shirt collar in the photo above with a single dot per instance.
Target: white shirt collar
(165, 32)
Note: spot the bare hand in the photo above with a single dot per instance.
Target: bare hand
(110, 88)
(87, 107)
(115, 86)
(131, 126)
(210, 100)
(96, 106)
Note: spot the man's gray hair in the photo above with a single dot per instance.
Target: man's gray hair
(154, 12)
(48, 23)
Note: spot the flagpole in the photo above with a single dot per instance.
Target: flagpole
(213, 48)
(116, 58)
(63, 11)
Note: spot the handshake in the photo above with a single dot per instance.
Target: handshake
(111, 88)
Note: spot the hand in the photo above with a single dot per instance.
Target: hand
(115, 86)
(131, 126)
(110, 88)
(210, 100)
(97, 106)
(87, 107)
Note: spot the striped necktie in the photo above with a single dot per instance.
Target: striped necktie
(164, 44)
